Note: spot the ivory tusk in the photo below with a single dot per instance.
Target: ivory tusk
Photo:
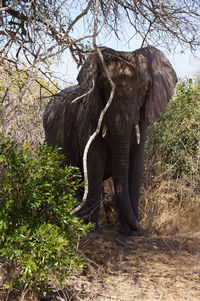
(137, 132)
(104, 131)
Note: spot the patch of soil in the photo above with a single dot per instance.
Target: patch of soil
(138, 268)
(122, 268)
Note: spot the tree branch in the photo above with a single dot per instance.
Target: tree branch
(83, 95)
(103, 112)
(84, 12)
(9, 7)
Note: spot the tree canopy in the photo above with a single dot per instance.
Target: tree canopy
(35, 34)
(39, 30)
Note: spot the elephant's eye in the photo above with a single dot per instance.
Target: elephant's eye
(143, 89)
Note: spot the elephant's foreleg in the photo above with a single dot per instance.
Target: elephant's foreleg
(136, 168)
(90, 211)
(97, 159)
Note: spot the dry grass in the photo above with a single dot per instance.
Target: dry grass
(21, 113)
(171, 206)
(135, 268)
(168, 206)
(150, 268)
(164, 265)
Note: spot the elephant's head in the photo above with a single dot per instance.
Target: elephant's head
(143, 78)
(145, 82)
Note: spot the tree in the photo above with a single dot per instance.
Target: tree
(39, 30)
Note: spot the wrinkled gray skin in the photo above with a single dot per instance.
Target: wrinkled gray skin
(145, 82)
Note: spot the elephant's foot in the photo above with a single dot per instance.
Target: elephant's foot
(97, 229)
(88, 216)
(139, 232)
(127, 231)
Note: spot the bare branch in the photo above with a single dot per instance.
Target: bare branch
(83, 95)
(103, 112)
(23, 26)
(84, 12)
(10, 6)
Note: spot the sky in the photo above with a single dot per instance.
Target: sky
(184, 62)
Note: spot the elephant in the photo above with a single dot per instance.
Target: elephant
(145, 81)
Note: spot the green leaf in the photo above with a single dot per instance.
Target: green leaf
(38, 233)
(2, 158)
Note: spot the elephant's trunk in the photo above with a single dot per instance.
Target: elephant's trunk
(120, 148)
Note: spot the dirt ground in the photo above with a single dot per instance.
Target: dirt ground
(138, 268)
(148, 268)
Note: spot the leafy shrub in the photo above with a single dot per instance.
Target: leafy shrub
(38, 234)
(174, 138)
(170, 196)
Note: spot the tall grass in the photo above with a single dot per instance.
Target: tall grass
(171, 199)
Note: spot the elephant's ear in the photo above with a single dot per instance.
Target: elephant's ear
(87, 79)
(163, 82)
(88, 72)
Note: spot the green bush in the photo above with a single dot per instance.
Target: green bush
(174, 138)
(38, 234)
